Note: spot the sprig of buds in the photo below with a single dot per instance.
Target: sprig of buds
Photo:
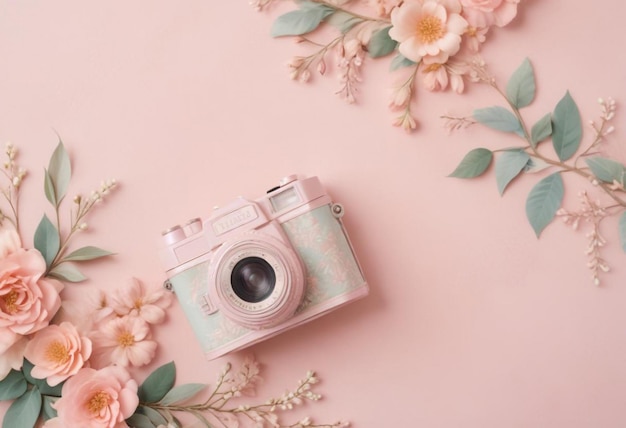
(15, 175)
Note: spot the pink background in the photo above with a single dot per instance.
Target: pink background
(471, 320)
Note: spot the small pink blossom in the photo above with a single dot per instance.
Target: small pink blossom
(125, 341)
(134, 300)
(28, 301)
(485, 13)
(474, 38)
(435, 76)
(432, 28)
(57, 352)
(96, 399)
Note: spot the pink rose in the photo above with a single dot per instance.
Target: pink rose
(27, 300)
(57, 352)
(485, 13)
(92, 398)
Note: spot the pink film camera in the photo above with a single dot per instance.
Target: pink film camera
(256, 268)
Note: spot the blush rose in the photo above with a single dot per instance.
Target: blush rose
(485, 13)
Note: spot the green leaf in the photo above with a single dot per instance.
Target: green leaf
(182, 393)
(47, 412)
(140, 421)
(541, 130)
(41, 384)
(158, 383)
(508, 166)
(343, 21)
(67, 272)
(86, 253)
(47, 240)
(606, 170)
(567, 128)
(156, 417)
(301, 21)
(543, 202)
(473, 164)
(48, 188)
(381, 44)
(24, 411)
(400, 61)
(520, 90)
(12, 386)
(622, 230)
(499, 118)
(60, 171)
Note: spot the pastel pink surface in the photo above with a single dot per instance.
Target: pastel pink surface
(471, 320)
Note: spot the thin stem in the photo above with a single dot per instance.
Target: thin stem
(349, 12)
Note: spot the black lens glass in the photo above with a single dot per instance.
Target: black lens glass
(253, 279)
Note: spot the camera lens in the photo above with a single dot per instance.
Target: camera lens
(253, 279)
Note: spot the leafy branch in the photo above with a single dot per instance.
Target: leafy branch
(563, 126)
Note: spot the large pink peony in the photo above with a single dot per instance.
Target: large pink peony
(429, 30)
(96, 399)
(57, 352)
(27, 300)
(485, 13)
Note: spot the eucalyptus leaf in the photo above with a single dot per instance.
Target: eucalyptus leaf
(520, 90)
(47, 240)
(535, 165)
(47, 411)
(381, 44)
(158, 383)
(473, 164)
(140, 421)
(23, 412)
(400, 61)
(48, 188)
(86, 253)
(622, 230)
(508, 166)
(499, 118)
(544, 200)
(343, 21)
(606, 170)
(566, 128)
(60, 171)
(67, 272)
(156, 417)
(181, 393)
(301, 21)
(13, 385)
(541, 130)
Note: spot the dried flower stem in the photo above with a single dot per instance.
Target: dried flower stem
(11, 193)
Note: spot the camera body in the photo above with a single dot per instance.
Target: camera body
(256, 268)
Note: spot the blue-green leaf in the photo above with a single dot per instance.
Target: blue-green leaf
(67, 272)
(140, 421)
(60, 170)
(499, 118)
(48, 188)
(12, 386)
(47, 412)
(181, 393)
(343, 21)
(381, 44)
(606, 170)
(535, 165)
(567, 128)
(86, 253)
(544, 200)
(41, 384)
(508, 166)
(473, 164)
(520, 90)
(24, 411)
(400, 61)
(158, 383)
(156, 417)
(301, 21)
(622, 230)
(541, 130)
(47, 240)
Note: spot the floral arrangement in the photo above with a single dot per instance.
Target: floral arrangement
(70, 364)
(566, 156)
(435, 40)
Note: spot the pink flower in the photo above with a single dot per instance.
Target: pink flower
(96, 399)
(485, 13)
(57, 352)
(27, 300)
(124, 341)
(134, 300)
(12, 357)
(432, 28)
